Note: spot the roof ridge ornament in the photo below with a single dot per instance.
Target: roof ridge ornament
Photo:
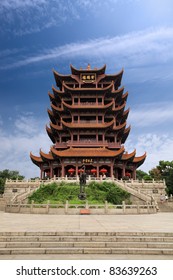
(89, 66)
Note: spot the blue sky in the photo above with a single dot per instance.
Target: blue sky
(37, 36)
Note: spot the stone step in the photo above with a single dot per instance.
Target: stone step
(165, 207)
(81, 233)
(85, 245)
(90, 239)
(67, 251)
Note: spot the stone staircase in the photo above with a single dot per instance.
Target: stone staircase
(2, 204)
(165, 207)
(23, 197)
(35, 243)
(129, 188)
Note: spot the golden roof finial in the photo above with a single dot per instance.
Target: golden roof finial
(88, 67)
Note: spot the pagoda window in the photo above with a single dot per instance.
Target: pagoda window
(100, 118)
(100, 85)
(88, 118)
(76, 100)
(100, 100)
(100, 137)
(68, 120)
(75, 137)
(75, 118)
(88, 100)
(87, 138)
(110, 139)
(65, 139)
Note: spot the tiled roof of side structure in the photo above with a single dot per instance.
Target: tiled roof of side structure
(50, 134)
(127, 156)
(119, 108)
(36, 160)
(140, 159)
(46, 156)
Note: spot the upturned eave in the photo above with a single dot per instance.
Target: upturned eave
(87, 152)
(98, 71)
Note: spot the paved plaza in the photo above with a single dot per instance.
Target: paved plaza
(160, 222)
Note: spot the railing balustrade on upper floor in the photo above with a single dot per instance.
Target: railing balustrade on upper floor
(87, 142)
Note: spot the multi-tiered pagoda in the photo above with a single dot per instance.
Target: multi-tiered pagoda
(88, 127)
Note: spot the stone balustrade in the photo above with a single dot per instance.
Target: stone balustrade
(143, 190)
(75, 209)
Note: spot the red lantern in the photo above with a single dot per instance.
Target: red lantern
(103, 170)
(93, 170)
(128, 174)
(80, 170)
(71, 170)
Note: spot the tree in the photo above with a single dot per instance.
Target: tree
(166, 170)
(155, 174)
(140, 174)
(7, 174)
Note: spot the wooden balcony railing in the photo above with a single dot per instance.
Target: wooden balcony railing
(88, 143)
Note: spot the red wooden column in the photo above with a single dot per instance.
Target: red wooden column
(123, 171)
(97, 170)
(62, 169)
(76, 170)
(41, 173)
(111, 169)
(116, 173)
(134, 173)
(51, 170)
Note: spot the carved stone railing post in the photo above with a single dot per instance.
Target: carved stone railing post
(66, 207)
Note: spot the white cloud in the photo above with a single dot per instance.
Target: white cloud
(133, 49)
(27, 125)
(14, 4)
(27, 135)
(31, 16)
(158, 147)
(152, 114)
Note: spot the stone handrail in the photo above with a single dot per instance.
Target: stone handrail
(75, 208)
(90, 178)
(126, 187)
(22, 196)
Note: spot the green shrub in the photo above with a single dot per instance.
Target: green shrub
(97, 193)
(116, 195)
